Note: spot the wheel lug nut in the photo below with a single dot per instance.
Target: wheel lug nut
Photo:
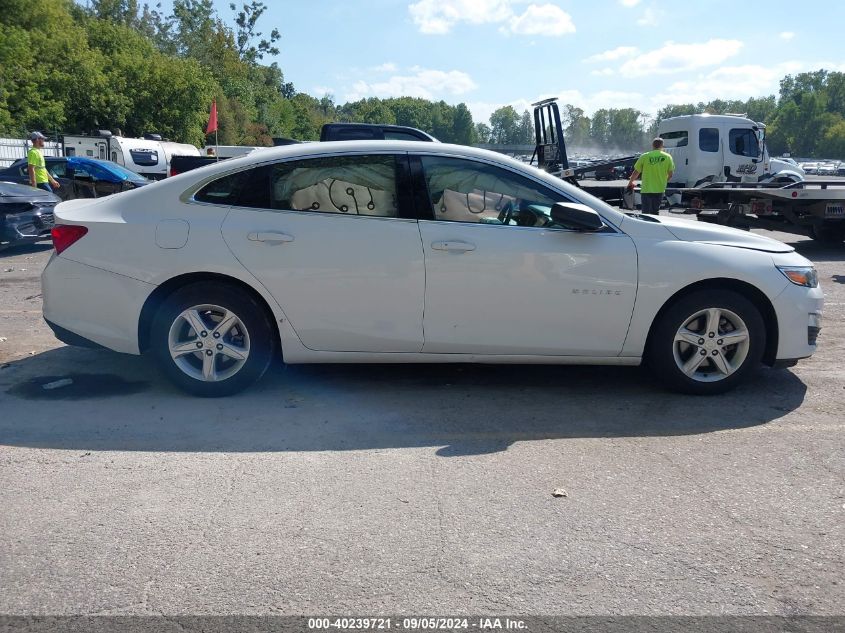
(199, 345)
(208, 352)
(715, 353)
(217, 335)
(703, 353)
(204, 334)
(219, 346)
(719, 342)
(701, 341)
(712, 334)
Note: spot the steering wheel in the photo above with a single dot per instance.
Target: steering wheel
(506, 214)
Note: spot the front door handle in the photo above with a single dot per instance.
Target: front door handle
(453, 246)
(270, 237)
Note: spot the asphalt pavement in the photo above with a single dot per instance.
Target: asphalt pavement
(416, 489)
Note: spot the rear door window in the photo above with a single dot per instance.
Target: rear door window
(248, 188)
(348, 185)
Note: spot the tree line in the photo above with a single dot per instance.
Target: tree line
(117, 64)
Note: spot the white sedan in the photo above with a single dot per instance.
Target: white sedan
(390, 251)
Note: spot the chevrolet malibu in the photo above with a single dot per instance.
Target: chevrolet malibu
(397, 252)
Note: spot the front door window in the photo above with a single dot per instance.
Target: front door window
(468, 191)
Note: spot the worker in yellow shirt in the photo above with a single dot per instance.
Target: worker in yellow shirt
(656, 168)
(38, 174)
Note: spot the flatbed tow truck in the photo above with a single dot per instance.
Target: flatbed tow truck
(815, 208)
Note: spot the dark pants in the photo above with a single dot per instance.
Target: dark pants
(651, 202)
(45, 186)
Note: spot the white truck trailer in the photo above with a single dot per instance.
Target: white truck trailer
(149, 156)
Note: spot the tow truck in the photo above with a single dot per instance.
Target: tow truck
(779, 201)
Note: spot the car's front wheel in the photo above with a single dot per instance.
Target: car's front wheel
(212, 339)
(707, 342)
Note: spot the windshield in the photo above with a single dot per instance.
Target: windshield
(126, 174)
(105, 170)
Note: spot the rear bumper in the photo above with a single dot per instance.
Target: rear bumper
(86, 305)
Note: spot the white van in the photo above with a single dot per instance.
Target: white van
(148, 156)
(718, 148)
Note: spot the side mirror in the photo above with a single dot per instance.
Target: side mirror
(575, 216)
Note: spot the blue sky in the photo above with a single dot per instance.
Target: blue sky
(601, 53)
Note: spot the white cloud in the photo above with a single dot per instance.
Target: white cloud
(545, 19)
(730, 82)
(727, 82)
(787, 35)
(676, 58)
(321, 90)
(423, 83)
(388, 67)
(481, 111)
(604, 72)
(437, 17)
(629, 3)
(649, 18)
(612, 55)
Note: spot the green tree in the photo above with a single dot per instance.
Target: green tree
(246, 21)
(483, 132)
(504, 126)
(576, 124)
(600, 127)
(626, 132)
(463, 126)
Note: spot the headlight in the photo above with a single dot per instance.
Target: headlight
(800, 275)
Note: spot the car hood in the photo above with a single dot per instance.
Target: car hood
(693, 231)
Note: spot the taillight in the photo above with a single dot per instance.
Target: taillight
(65, 235)
(173, 172)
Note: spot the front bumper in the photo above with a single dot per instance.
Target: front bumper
(799, 313)
(26, 226)
(93, 306)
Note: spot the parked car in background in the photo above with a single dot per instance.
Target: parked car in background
(26, 214)
(397, 251)
(827, 169)
(79, 177)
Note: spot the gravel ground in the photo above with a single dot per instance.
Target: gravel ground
(415, 489)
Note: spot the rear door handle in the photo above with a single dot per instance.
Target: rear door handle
(270, 237)
(454, 246)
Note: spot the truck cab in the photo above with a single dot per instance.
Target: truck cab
(720, 148)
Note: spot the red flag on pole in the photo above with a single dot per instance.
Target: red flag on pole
(212, 120)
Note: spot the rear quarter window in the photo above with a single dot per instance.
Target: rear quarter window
(248, 188)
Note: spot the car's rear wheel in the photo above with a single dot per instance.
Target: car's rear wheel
(707, 342)
(212, 340)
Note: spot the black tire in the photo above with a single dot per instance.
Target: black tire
(829, 235)
(666, 356)
(253, 332)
